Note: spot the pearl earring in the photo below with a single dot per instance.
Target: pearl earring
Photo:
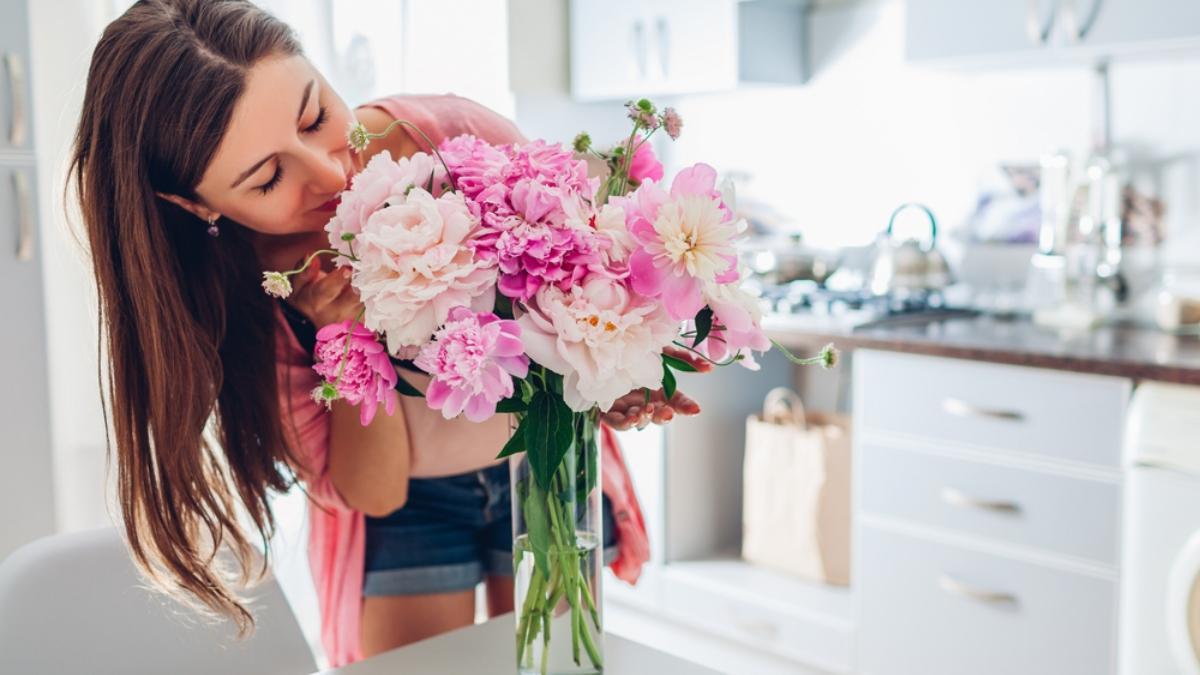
(213, 230)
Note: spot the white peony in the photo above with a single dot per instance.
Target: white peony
(604, 340)
(415, 264)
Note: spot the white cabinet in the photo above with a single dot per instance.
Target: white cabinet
(945, 29)
(987, 502)
(932, 608)
(622, 49)
(1047, 31)
(24, 400)
(628, 48)
(1131, 24)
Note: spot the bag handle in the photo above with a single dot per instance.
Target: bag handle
(783, 406)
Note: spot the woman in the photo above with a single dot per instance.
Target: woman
(209, 150)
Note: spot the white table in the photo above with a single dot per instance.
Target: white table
(490, 649)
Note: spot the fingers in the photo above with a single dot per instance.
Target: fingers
(301, 281)
(326, 289)
(617, 421)
(683, 404)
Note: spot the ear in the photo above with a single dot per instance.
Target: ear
(202, 212)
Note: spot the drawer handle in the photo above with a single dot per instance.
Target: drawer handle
(25, 227)
(16, 85)
(963, 500)
(960, 408)
(955, 587)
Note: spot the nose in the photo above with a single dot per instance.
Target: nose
(328, 170)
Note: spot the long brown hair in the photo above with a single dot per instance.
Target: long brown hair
(189, 333)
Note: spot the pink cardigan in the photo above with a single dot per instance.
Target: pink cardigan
(337, 533)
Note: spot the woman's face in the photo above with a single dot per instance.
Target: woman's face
(284, 157)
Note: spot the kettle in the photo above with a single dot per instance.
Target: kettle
(909, 266)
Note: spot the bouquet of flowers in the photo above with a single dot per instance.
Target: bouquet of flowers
(521, 284)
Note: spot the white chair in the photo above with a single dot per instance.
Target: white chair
(75, 603)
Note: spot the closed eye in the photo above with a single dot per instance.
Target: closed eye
(270, 184)
(322, 115)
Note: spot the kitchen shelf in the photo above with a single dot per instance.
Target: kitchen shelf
(758, 609)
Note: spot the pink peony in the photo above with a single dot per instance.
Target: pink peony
(534, 244)
(416, 262)
(645, 166)
(737, 328)
(472, 359)
(602, 338)
(368, 376)
(383, 181)
(519, 191)
(608, 222)
(475, 164)
(687, 240)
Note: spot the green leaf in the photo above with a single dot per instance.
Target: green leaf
(668, 382)
(405, 388)
(646, 391)
(537, 525)
(548, 435)
(512, 404)
(515, 444)
(678, 364)
(704, 322)
(503, 307)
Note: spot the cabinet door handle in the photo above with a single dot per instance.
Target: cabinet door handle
(1069, 15)
(16, 89)
(663, 28)
(1038, 33)
(962, 500)
(24, 204)
(955, 587)
(960, 408)
(637, 45)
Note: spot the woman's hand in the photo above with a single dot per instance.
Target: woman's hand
(633, 411)
(325, 297)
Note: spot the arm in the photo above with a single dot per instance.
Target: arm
(368, 466)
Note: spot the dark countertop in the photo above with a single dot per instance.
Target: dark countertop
(1122, 351)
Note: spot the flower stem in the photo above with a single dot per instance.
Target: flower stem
(681, 345)
(309, 260)
(827, 358)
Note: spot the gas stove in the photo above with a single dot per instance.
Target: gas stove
(808, 306)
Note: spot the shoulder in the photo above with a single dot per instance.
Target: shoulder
(440, 116)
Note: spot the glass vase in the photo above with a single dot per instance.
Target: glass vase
(558, 558)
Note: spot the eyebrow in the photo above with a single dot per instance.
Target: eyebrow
(258, 165)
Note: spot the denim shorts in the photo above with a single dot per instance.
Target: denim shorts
(449, 535)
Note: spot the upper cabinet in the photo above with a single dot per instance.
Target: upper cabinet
(1125, 25)
(1047, 31)
(16, 133)
(621, 49)
(624, 48)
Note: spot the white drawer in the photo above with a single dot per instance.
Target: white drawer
(1073, 516)
(931, 609)
(1067, 416)
(803, 622)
